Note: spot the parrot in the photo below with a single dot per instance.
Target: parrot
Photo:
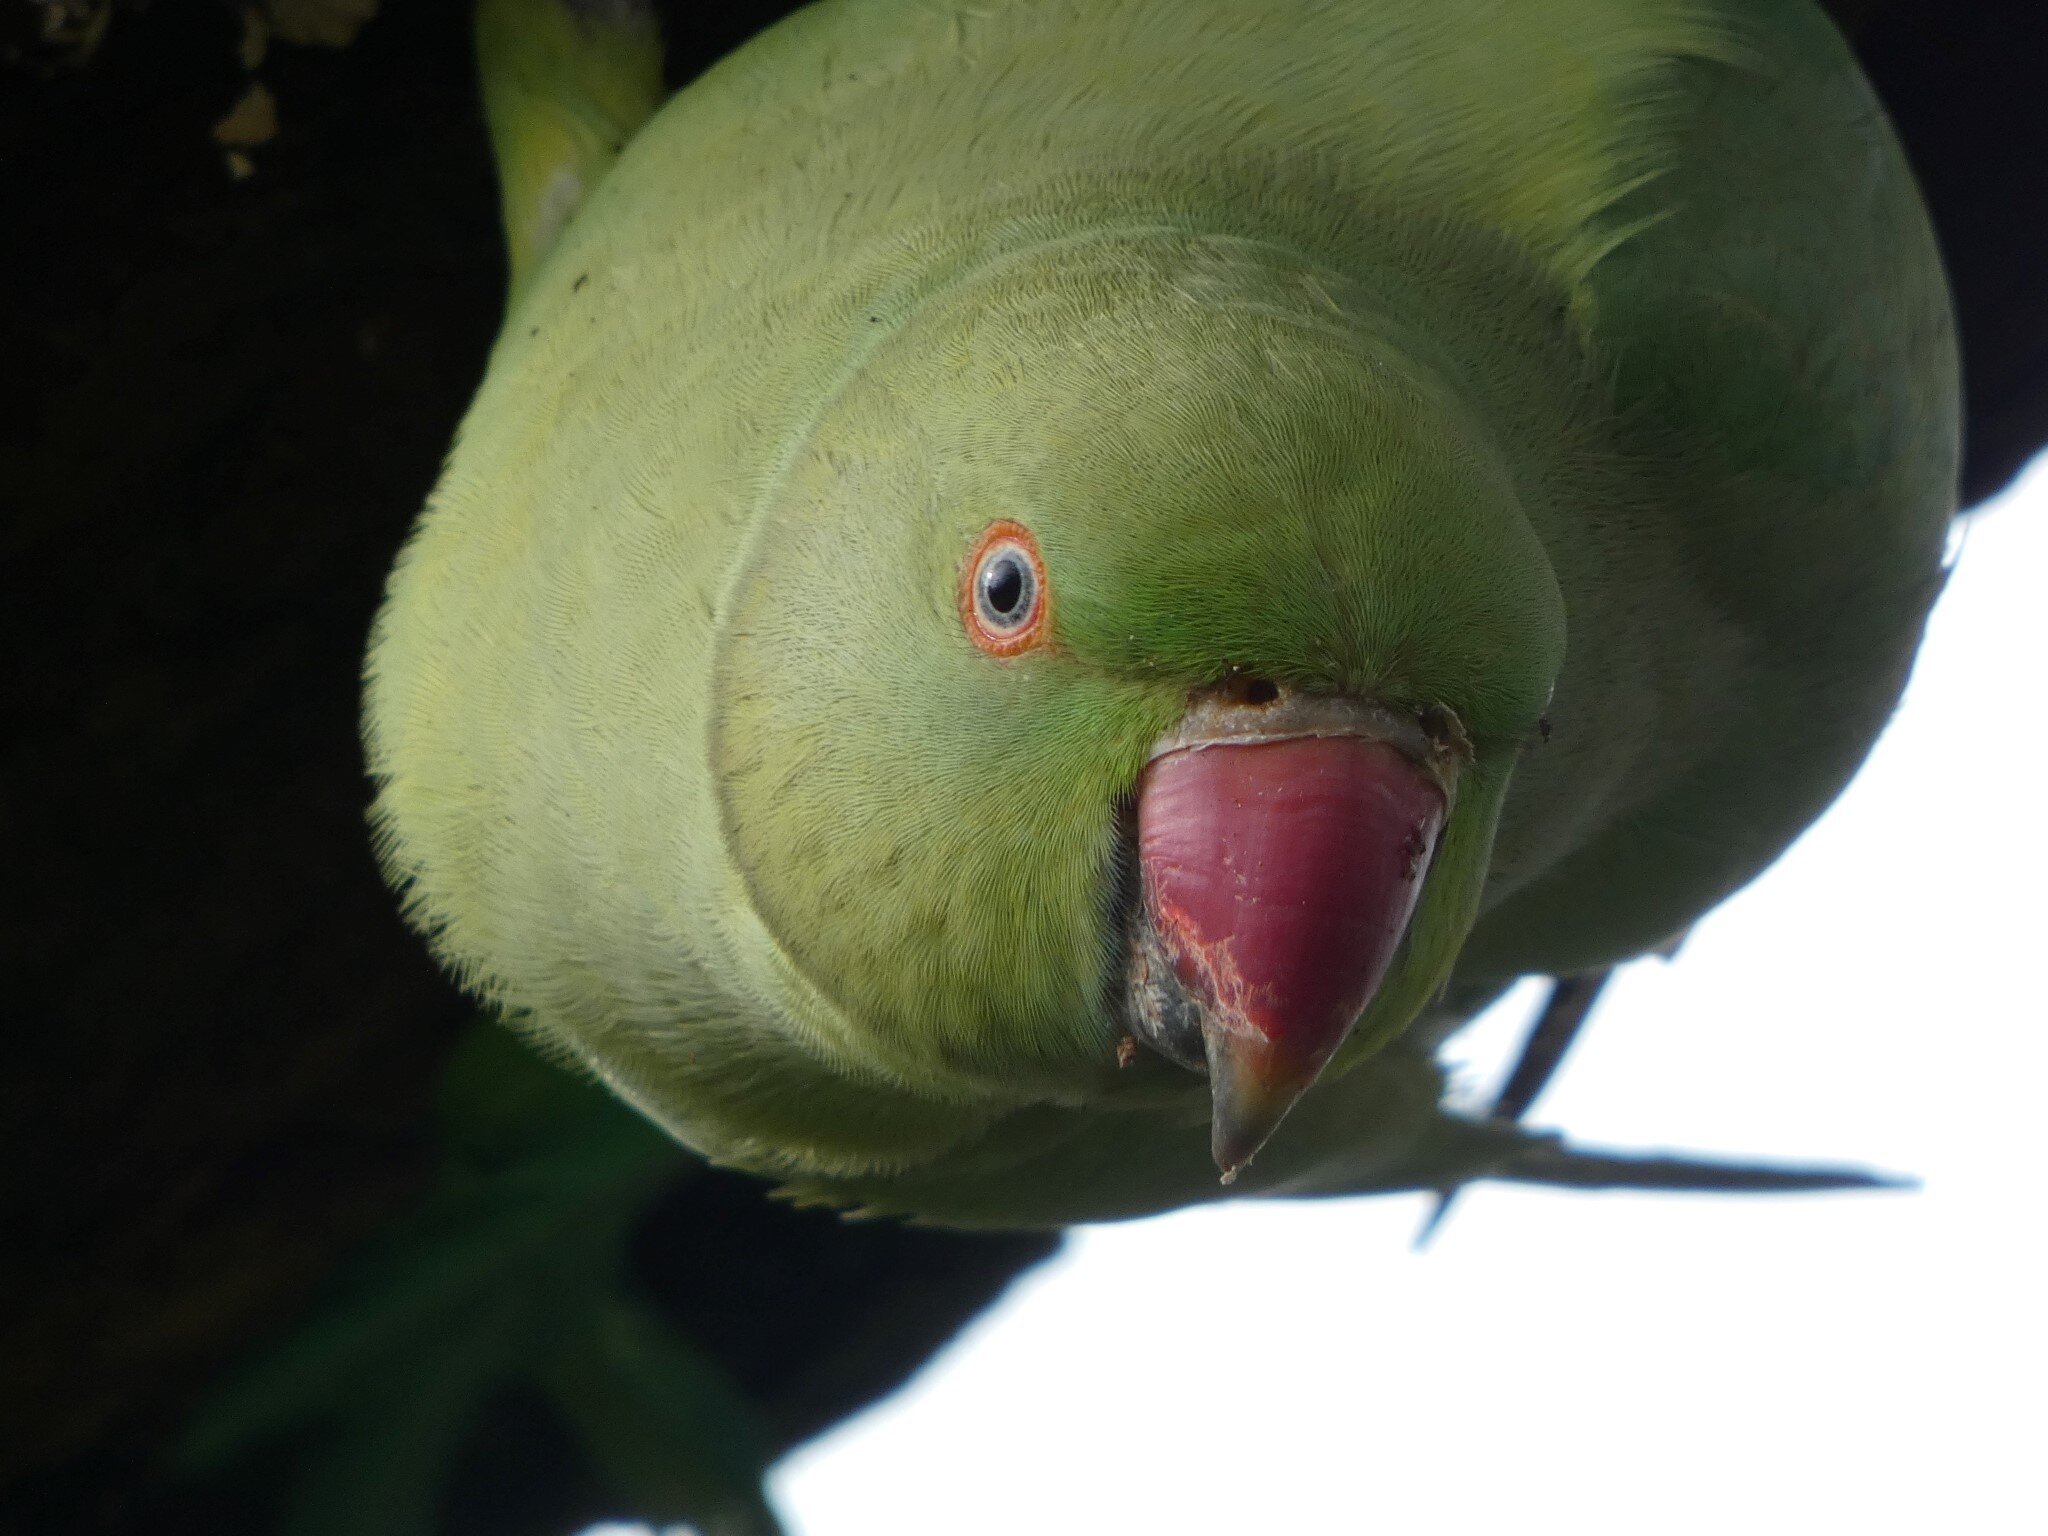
(1039, 600)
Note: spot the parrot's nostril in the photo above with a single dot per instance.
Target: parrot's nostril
(1241, 689)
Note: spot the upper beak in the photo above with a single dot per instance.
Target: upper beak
(1283, 844)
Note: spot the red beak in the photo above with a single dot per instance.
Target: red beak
(1278, 877)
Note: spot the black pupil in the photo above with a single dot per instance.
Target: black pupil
(1004, 587)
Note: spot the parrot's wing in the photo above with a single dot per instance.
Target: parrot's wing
(1548, 1160)
(566, 83)
(1380, 1128)
(1451, 1150)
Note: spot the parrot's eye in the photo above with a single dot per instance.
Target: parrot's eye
(1004, 598)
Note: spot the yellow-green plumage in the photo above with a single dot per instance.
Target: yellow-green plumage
(1585, 364)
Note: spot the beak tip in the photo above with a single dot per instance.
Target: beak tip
(1233, 1145)
(1229, 1153)
(1250, 1094)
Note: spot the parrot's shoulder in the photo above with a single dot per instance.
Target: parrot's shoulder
(1778, 334)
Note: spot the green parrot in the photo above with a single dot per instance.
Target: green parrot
(1039, 600)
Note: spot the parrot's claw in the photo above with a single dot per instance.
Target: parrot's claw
(1564, 1014)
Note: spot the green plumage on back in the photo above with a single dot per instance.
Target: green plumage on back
(1564, 391)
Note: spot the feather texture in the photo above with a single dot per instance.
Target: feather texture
(1586, 364)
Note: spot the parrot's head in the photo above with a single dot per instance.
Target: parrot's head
(1136, 651)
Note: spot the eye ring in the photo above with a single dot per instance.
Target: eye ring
(1005, 599)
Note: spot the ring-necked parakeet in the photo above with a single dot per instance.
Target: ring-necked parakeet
(1033, 588)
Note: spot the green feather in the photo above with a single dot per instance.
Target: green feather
(1579, 372)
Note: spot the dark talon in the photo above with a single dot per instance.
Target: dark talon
(1564, 1014)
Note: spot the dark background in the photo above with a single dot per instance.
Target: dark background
(222, 400)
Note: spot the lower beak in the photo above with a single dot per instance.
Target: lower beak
(1279, 875)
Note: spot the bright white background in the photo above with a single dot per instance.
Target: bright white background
(1592, 1364)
